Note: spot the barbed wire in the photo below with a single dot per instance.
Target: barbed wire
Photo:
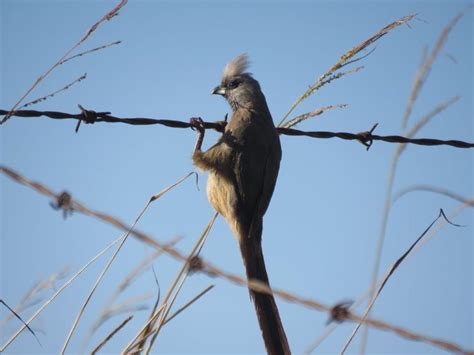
(65, 202)
(366, 138)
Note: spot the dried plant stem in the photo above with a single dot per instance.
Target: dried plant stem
(182, 276)
(27, 300)
(90, 51)
(15, 314)
(109, 15)
(111, 334)
(389, 191)
(34, 102)
(469, 202)
(58, 292)
(312, 89)
(189, 303)
(298, 119)
(387, 276)
(346, 59)
(425, 69)
(130, 345)
(123, 239)
(113, 309)
(429, 188)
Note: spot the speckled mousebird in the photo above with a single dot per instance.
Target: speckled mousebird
(243, 168)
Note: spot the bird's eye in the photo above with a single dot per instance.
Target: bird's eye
(233, 84)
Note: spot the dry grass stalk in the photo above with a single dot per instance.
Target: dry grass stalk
(189, 303)
(346, 59)
(181, 277)
(389, 191)
(129, 305)
(130, 345)
(90, 51)
(420, 77)
(15, 314)
(123, 239)
(298, 119)
(43, 98)
(389, 273)
(57, 293)
(29, 299)
(429, 188)
(111, 334)
(108, 16)
(469, 202)
(112, 308)
(425, 68)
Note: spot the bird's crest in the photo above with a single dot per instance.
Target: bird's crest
(236, 66)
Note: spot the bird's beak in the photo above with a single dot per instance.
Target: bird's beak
(218, 90)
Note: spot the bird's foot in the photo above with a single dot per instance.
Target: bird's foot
(197, 124)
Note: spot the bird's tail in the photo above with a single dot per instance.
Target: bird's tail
(267, 312)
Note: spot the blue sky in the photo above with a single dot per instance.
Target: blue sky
(321, 229)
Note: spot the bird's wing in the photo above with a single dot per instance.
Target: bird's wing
(256, 175)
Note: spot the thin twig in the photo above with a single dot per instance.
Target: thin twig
(111, 334)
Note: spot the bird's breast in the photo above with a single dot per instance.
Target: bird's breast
(222, 196)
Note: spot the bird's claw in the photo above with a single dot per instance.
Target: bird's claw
(197, 124)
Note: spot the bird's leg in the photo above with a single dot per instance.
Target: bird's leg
(198, 124)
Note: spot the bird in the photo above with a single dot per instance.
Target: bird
(243, 168)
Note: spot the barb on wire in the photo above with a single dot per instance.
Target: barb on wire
(366, 138)
(63, 202)
(212, 270)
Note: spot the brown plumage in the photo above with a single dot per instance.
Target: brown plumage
(243, 168)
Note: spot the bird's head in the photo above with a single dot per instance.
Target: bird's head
(238, 86)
